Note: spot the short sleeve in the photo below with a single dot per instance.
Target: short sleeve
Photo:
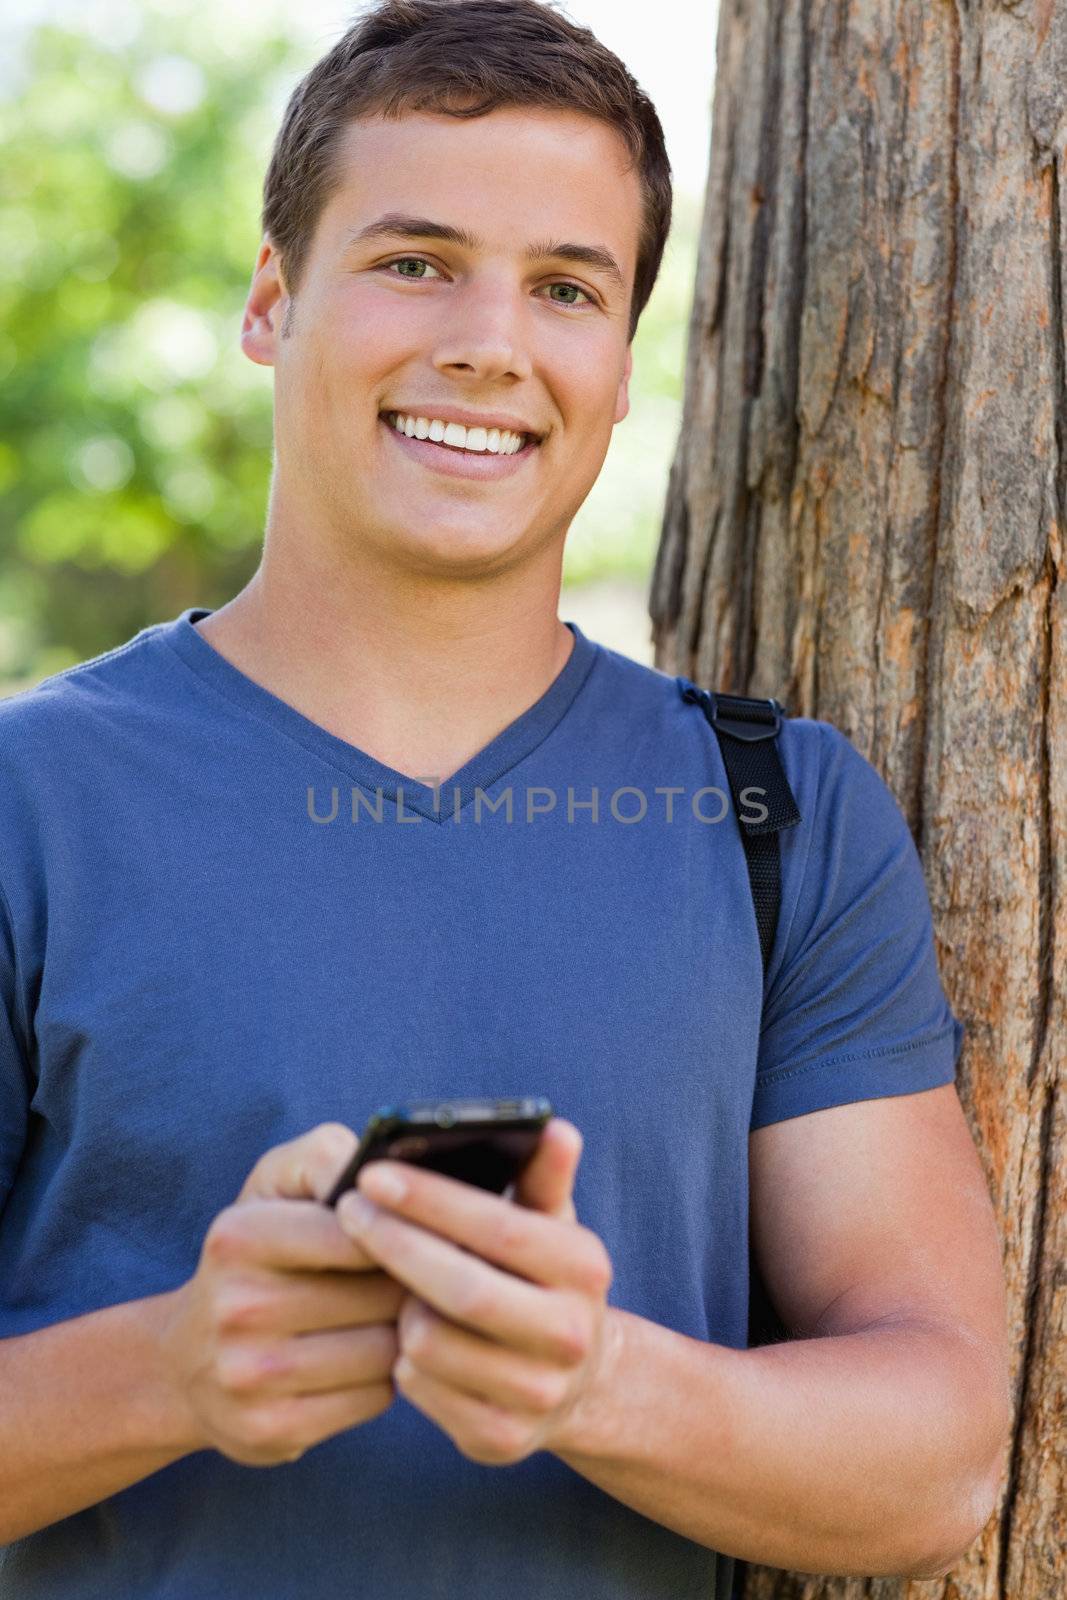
(855, 1009)
(15, 1090)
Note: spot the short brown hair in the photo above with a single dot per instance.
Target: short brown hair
(461, 58)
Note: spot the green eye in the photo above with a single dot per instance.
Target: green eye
(573, 286)
(415, 261)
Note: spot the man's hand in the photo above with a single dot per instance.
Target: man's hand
(506, 1322)
(286, 1334)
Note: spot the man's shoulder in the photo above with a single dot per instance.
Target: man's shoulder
(807, 744)
(626, 673)
(67, 720)
(79, 686)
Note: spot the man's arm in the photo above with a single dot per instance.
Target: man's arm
(874, 1445)
(869, 1453)
(86, 1410)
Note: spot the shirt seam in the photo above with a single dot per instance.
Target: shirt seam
(97, 661)
(781, 1074)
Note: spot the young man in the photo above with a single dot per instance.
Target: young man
(369, 833)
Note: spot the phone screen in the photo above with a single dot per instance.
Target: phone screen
(486, 1143)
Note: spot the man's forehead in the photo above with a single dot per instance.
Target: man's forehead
(423, 165)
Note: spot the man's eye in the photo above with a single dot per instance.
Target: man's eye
(416, 261)
(577, 290)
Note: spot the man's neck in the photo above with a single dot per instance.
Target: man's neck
(420, 688)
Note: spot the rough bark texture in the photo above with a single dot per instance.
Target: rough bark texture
(866, 519)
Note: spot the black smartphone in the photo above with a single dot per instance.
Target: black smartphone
(483, 1142)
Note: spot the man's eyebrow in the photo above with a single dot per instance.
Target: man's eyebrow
(396, 225)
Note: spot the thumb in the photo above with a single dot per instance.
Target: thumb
(547, 1182)
(305, 1168)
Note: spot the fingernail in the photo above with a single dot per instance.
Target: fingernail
(354, 1213)
(383, 1183)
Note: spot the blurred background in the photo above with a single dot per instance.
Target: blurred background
(135, 437)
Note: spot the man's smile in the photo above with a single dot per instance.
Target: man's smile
(500, 433)
(459, 460)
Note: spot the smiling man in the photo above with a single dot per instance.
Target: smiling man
(448, 374)
(214, 969)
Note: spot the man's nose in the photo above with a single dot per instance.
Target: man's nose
(486, 332)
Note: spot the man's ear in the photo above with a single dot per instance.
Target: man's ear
(622, 398)
(267, 304)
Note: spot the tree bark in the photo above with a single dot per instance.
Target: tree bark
(865, 518)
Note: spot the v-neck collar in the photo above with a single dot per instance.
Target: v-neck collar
(510, 746)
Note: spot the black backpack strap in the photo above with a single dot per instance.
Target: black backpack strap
(747, 731)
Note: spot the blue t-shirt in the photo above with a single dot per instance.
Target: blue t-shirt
(221, 924)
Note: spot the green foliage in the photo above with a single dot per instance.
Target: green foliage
(135, 437)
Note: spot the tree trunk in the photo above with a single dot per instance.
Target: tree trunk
(865, 518)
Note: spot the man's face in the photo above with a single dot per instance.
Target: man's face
(405, 322)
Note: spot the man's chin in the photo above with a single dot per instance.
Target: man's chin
(436, 546)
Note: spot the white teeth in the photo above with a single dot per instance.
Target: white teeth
(493, 441)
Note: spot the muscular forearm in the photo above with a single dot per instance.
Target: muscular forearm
(85, 1410)
(860, 1454)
